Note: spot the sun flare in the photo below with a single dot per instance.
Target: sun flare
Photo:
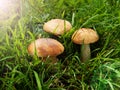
(3, 4)
(7, 8)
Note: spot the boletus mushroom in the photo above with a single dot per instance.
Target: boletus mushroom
(44, 47)
(57, 26)
(85, 36)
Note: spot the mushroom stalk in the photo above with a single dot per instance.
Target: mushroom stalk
(85, 52)
(85, 36)
(52, 59)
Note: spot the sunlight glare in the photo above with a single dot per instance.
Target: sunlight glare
(7, 8)
(4, 5)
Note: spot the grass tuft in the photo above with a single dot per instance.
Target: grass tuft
(19, 70)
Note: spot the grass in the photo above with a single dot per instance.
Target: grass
(19, 70)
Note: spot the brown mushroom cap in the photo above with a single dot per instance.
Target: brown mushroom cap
(45, 47)
(57, 26)
(85, 36)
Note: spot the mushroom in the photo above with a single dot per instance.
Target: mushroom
(85, 36)
(44, 47)
(57, 26)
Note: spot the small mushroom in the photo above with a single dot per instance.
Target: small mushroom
(85, 36)
(44, 47)
(57, 26)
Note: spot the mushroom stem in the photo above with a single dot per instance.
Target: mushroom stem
(52, 59)
(85, 52)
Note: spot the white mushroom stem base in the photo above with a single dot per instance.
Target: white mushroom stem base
(85, 52)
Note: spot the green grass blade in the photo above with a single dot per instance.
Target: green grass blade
(38, 80)
(110, 84)
(5, 58)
